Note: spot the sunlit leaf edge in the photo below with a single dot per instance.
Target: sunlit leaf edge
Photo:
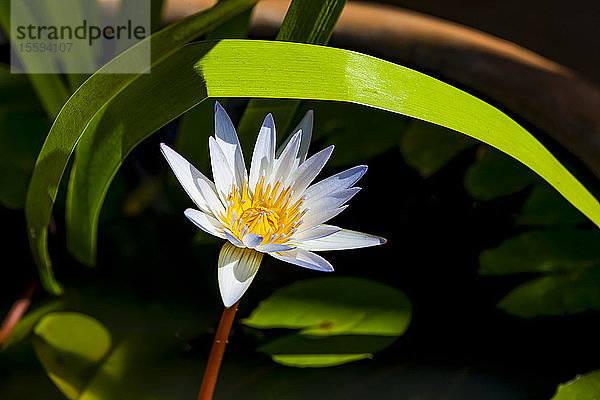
(264, 69)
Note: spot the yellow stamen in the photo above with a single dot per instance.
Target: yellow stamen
(265, 212)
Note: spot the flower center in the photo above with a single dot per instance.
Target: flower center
(266, 212)
(260, 220)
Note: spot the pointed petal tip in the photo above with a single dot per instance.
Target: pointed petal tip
(362, 170)
(229, 303)
(229, 300)
(308, 118)
(164, 148)
(329, 149)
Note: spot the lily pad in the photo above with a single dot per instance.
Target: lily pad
(558, 294)
(25, 326)
(542, 251)
(69, 345)
(569, 260)
(583, 387)
(339, 320)
(299, 350)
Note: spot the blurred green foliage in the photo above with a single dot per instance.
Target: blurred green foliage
(583, 387)
(569, 260)
(427, 147)
(494, 174)
(23, 127)
(544, 207)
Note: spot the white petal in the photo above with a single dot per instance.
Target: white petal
(212, 200)
(335, 183)
(205, 222)
(228, 141)
(187, 175)
(304, 259)
(237, 268)
(343, 240)
(315, 232)
(331, 201)
(251, 240)
(268, 248)
(306, 126)
(224, 178)
(284, 164)
(308, 171)
(317, 217)
(232, 239)
(264, 153)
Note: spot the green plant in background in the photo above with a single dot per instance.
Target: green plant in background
(366, 106)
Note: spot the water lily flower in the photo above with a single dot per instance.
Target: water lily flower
(271, 209)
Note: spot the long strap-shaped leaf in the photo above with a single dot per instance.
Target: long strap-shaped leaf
(306, 21)
(84, 104)
(243, 68)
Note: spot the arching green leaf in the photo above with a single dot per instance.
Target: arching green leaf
(84, 104)
(246, 68)
(306, 21)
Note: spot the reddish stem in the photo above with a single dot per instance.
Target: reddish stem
(216, 353)
(17, 310)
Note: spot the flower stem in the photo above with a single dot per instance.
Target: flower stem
(17, 310)
(216, 353)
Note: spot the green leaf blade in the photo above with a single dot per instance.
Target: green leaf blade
(243, 68)
(306, 21)
(81, 108)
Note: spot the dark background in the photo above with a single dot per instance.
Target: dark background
(458, 346)
(563, 31)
